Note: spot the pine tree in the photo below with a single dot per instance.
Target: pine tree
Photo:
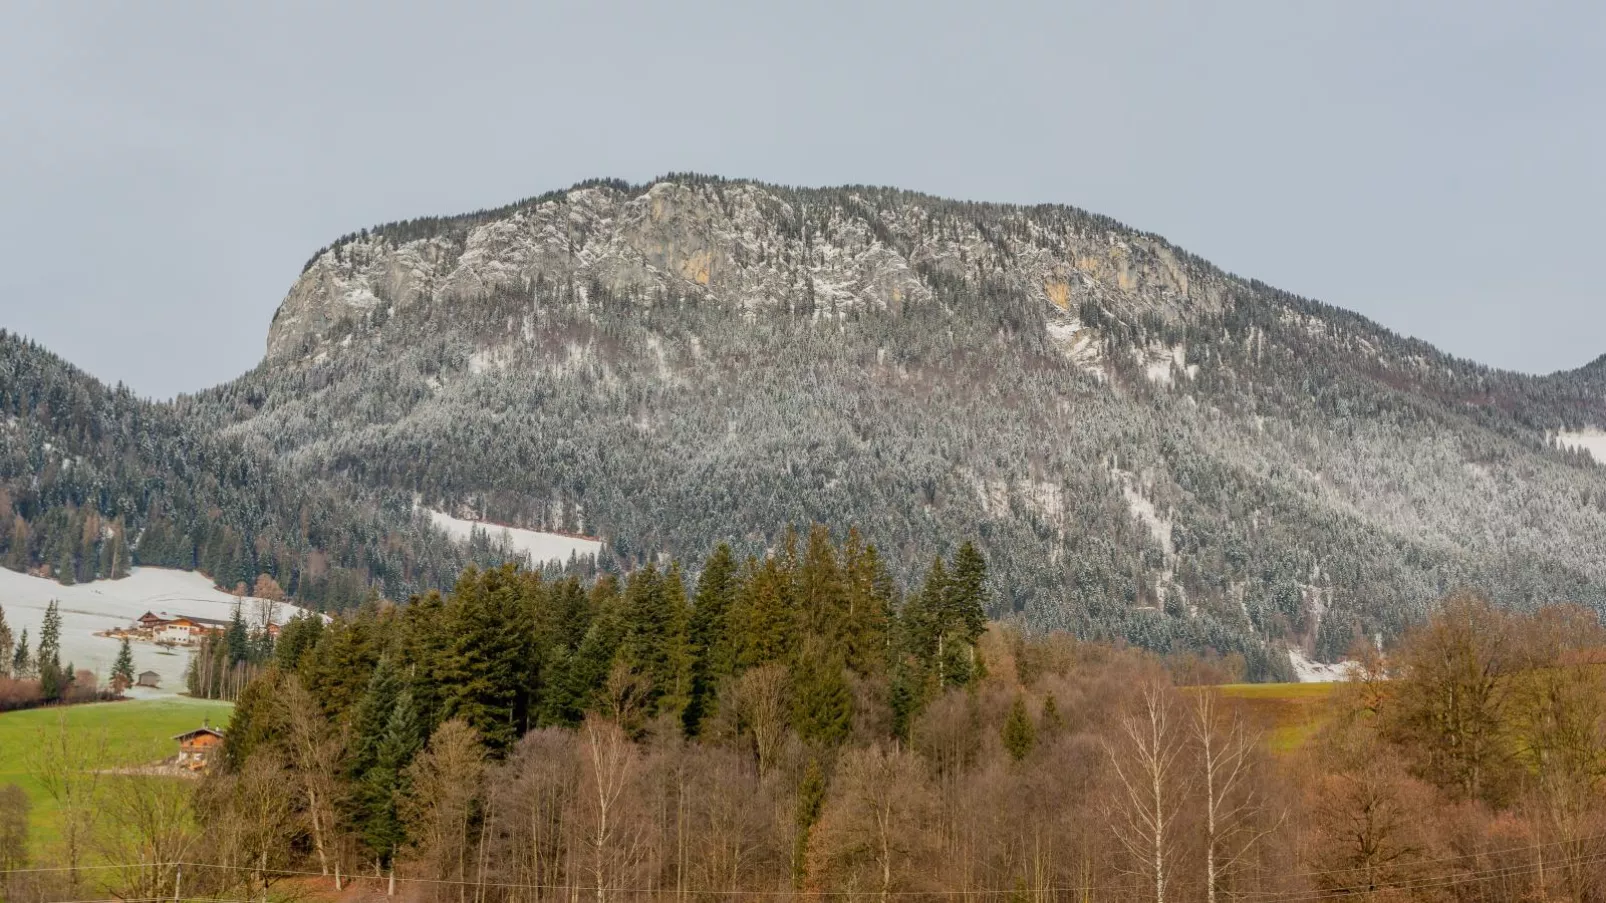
(238, 638)
(1053, 721)
(123, 670)
(708, 634)
(486, 656)
(53, 683)
(1019, 734)
(822, 701)
(384, 783)
(21, 661)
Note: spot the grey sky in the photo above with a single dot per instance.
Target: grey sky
(166, 169)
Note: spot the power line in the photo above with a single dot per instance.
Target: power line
(1419, 882)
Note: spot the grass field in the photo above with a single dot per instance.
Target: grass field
(136, 732)
(1288, 713)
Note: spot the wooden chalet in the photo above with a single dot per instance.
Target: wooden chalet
(196, 748)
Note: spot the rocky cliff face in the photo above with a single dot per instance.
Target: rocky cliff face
(758, 248)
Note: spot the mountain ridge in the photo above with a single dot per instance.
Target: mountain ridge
(1147, 447)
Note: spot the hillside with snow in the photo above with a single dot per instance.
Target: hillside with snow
(1144, 446)
(90, 608)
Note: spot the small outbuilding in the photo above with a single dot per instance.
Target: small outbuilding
(196, 748)
(148, 679)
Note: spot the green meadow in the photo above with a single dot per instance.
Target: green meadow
(134, 732)
(1288, 713)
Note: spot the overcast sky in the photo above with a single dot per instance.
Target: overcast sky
(166, 168)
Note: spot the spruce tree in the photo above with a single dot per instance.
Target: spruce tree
(123, 670)
(822, 701)
(21, 660)
(379, 788)
(708, 640)
(1019, 734)
(583, 673)
(257, 720)
(50, 637)
(370, 715)
(819, 590)
(487, 655)
(870, 594)
(765, 628)
(655, 637)
(52, 683)
(967, 593)
(238, 638)
(1053, 721)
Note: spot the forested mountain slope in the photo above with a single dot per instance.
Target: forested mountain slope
(1143, 445)
(93, 479)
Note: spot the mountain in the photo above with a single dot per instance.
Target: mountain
(1144, 445)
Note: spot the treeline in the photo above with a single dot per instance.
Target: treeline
(34, 675)
(225, 663)
(955, 762)
(1465, 765)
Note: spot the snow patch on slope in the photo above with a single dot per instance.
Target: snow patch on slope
(1308, 671)
(1079, 344)
(1161, 363)
(542, 547)
(90, 607)
(1590, 440)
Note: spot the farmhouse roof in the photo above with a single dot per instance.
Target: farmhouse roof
(204, 729)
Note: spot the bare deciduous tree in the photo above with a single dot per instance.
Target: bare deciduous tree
(68, 765)
(14, 811)
(150, 832)
(315, 749)
(1231, 802)
(758, 699)
(610, 768)
(1148, 765)
(872, 833)
(446, 786)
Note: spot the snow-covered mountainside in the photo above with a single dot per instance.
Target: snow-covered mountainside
(1143, 445)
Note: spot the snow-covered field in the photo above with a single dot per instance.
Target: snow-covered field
(1592, 441)
(541, 547)
(90, 607)
(1314, 672)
